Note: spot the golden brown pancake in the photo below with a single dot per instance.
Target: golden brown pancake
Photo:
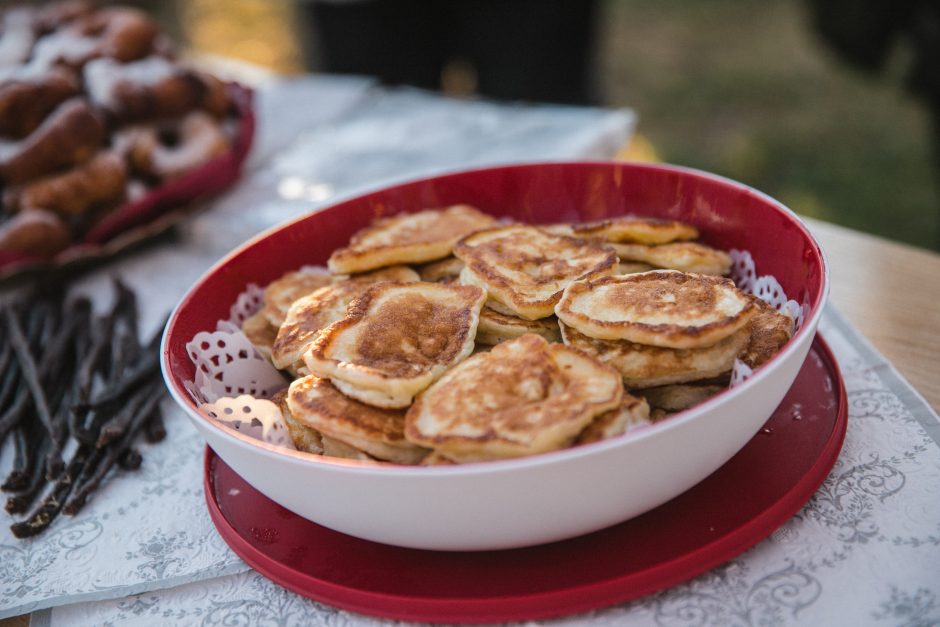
(683, 256)
(408, 238)
(657, 414)
(305, 438)
(526, 269)
(633, 267)
(632, 413)
(680, 396)
(770, 330)
(337, 448)
(396, 339)
(636, 229)
(523, 397)
(644, 366)
(434, 458)
(282, 292)
(662, 308)
(310, 314)
(316, 403)
(443, 271)
(260, 333)
(495, 327)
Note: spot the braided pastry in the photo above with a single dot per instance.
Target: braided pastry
(35, 232)
(95, 183)
(26, 99)
(70, 135)
(152, 88)
(123, 33)
(198, 139)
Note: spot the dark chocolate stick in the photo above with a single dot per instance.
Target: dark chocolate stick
(28, 368)
(102, 413)
(139, 374)
(130, 459)
(62, 356)
(48, 373)
(119, 423)
(146, 368)
(10, 380)
(6, 353)
(50, 507)
(20, 502)
(155, 429)
(128, 309)
(84, 488)
(14, 413)
(113, 349)
(91, 364)
(19, 474)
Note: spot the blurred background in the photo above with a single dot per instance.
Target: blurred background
(744, 88)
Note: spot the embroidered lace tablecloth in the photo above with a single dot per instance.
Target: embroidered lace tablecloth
(865, 550)
(318, 138)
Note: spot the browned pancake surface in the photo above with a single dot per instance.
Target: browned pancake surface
(691, 257)
(496, 327)
(408, 238)
(282, 292)
(524, 396)
(526, 268)
(636, 229)
(398, 338)
(633, 412)
(260, 332)
(310, 314)
(443, 271)
(770, 330)
(662, 308)
(316, 403)
(645, 366)
(305, 438)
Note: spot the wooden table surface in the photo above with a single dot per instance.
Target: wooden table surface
(891, 293)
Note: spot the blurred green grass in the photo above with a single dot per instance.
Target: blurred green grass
(742, 88)
(745, 88)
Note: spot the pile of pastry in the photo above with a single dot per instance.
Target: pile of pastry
(94, 111)
(444, 336)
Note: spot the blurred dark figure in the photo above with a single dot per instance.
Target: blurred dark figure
(540, 50)
(866, 33)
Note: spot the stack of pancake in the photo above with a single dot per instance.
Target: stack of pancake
(443, 337)
(673, 336)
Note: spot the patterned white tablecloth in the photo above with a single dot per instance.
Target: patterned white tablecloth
(864, 551)
(318, 138)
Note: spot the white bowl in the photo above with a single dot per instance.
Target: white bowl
(547, 497)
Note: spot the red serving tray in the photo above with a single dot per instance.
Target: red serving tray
(157, 210)
(741, 503)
